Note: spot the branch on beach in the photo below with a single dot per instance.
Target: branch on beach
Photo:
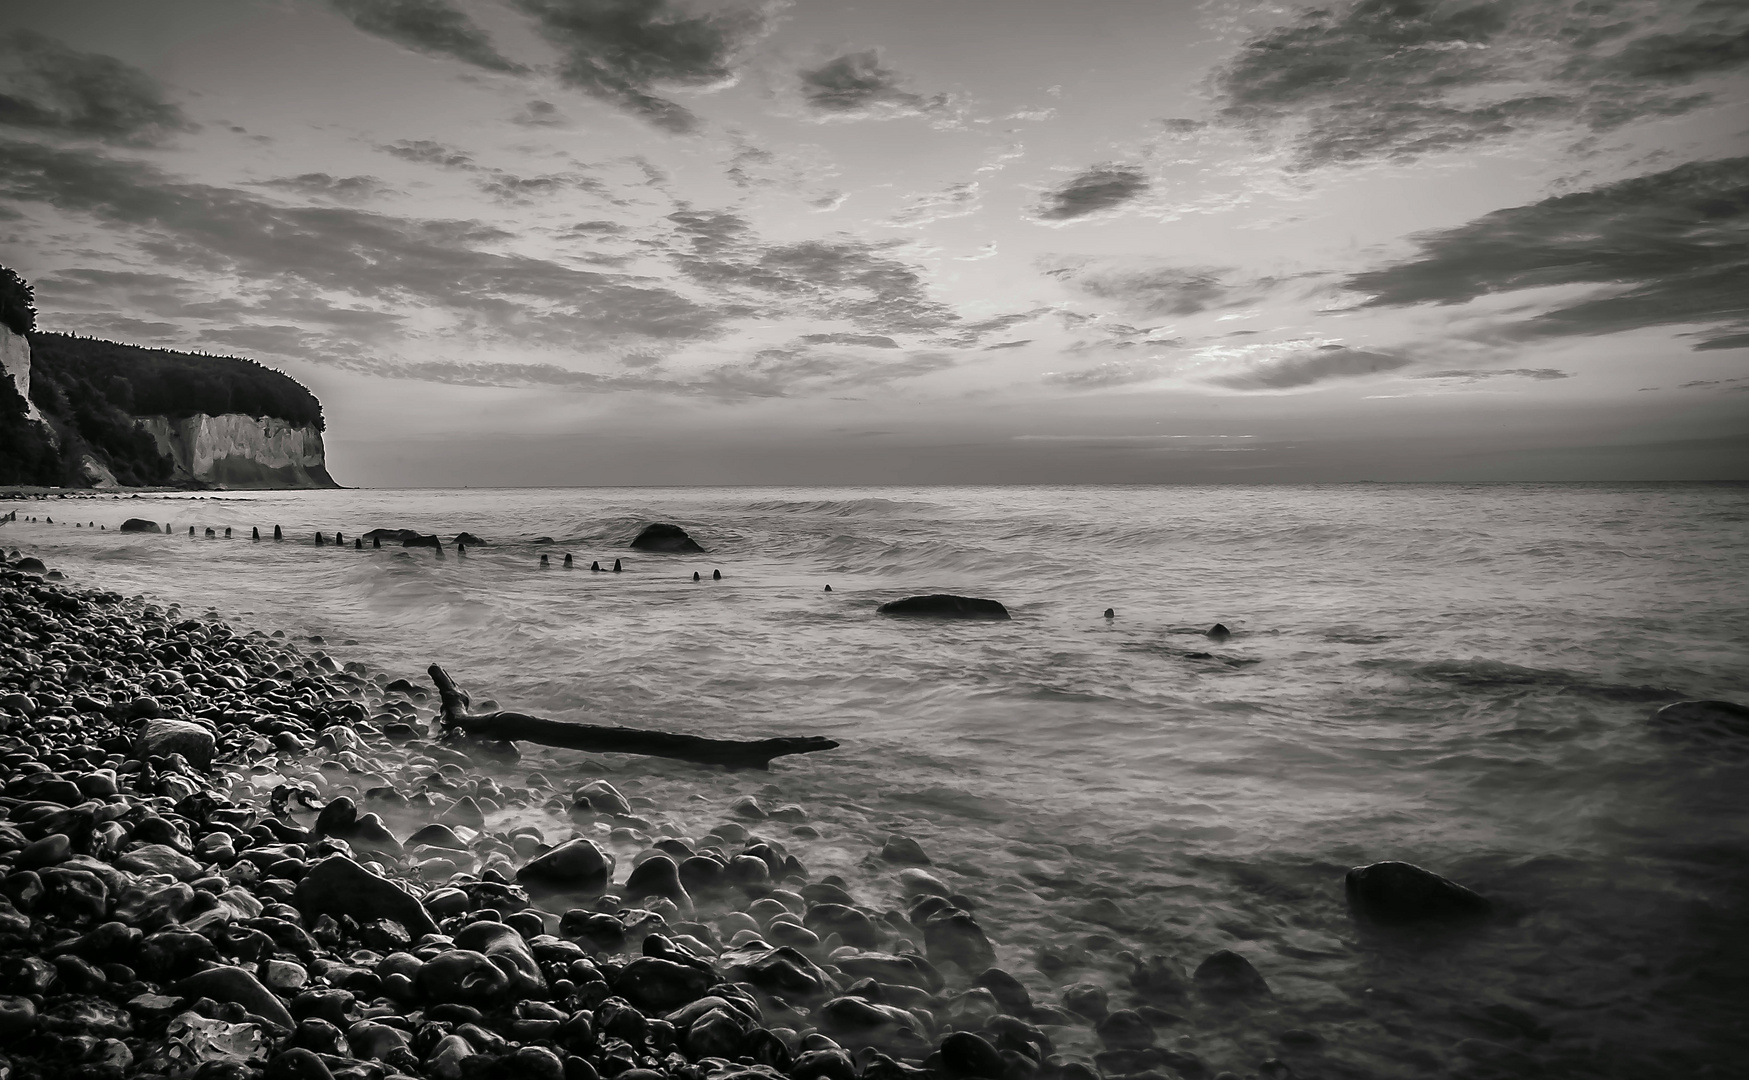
(734, 753)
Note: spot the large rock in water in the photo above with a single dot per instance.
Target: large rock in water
(575, 866)
(140, 525)
(1715, 718)
(338, 886)
(1403, 894)
(661, 536)
(165, 737)
(944, 606)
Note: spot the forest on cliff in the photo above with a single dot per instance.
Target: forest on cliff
(91, 391)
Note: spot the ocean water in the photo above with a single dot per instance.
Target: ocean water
(1458, 676)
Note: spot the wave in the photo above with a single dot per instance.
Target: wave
(1480, 672)
(845, 507)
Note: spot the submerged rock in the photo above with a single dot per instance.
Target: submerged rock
(660, 536)
(1403, 894)
(140, 525)
(1709, 718)
(944, 606)
(1226, 974)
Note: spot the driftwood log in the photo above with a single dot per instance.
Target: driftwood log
(735, 753)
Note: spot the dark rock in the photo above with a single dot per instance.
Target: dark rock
(297, 1063)
(1402, 894)
(824, 1064)
(470, 539)
(506, 948)
(904, 850)
(657, 876)
(954, 937)
(161, 738)
(139, 525)
(1219, 632)
(944, 606)
(338, 886)
(1010, 992)
(1718, 719)
(464, 977)
(576, 866)
(664, 537)
(658, 985)
(240, 986)
(1226, 974)
(854, 927)
(966, 1054)
(781, 971)
(1125, 1029)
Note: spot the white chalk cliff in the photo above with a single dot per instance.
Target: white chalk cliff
(15, 355)
(235, 450)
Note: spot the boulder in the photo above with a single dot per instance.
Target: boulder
(576, 866)
(338, 886)
(1719, 719)
(944, 606)
(161, 738)
(140, 525)
(661, 536)
(1402, 894)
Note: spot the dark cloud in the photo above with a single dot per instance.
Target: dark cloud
(622, 51)
(369, 258)
(508, 187)
(1311, 365)
(872, 341)
(1008, 344)
(323, 185)
(433, 27)
(1399, 79)
(1471, 375)
(1106, 375)
(1165, 291)
(1668, 249)
(1099, 188)
(856, 85)
(841, 278)
(539, 114)
(429, 152)
(46, 86)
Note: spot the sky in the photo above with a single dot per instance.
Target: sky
(581, 242)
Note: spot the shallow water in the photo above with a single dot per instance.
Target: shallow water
(1454, 675)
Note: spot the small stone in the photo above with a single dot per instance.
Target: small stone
(161, 738)
(464, 977)
(1124, 1029)
(297, 1063)
(576, 866)
(238, 985)
(916, 882)
(969, 1055)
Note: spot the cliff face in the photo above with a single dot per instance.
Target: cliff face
(235, 450)
(15, 356)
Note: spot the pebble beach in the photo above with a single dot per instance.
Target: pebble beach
(235, 847)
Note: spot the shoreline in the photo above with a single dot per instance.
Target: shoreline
(242, 855)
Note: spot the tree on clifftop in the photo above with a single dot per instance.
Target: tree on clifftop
(17, 302)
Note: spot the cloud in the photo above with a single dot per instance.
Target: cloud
(1308, 365)
(47, 87)
(1100, 188)
(430, 152)
(622, 51)
(1400, 79)
(1471, 375)
(369, 258)
(510, 188)
(873, 341)
(433, 27)
(840, 278)
(1108, 374)
(787, 371)
(958, 200)
(856, 86)
(539, 114)
(1663, 249)
(325, 186)
(1162, 290)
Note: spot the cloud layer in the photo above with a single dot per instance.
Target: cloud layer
(1666, 249)
(49, 88)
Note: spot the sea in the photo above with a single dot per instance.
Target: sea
(1455, 675)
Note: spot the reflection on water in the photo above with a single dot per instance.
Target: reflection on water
(1458, 676)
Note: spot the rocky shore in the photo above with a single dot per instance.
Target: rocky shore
(224, 855)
